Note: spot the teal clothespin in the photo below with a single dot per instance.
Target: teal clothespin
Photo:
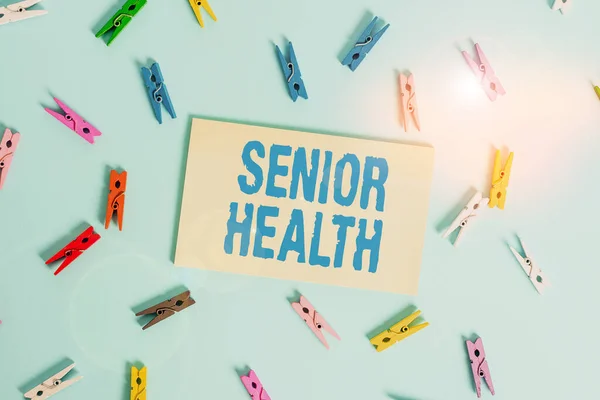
(120, 20)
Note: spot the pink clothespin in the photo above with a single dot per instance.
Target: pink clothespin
(408, 97)
(8, 146)
(74, 122)
(254, 387)
(479, 365)
(314, 320)
(485, 73)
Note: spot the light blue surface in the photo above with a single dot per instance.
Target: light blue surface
(538, 347)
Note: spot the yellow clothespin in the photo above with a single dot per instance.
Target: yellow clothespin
(197, 5)
(597, 90)
(396, 333)
(500, 178)
(138, 384)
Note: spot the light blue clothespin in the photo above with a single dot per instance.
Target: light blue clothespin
(291, 72)
(365, 43)
(157, 91)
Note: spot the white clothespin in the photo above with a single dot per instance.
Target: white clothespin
(562, 5)
(535, 274)
(469, 211)
(18, 12)
(52, 385)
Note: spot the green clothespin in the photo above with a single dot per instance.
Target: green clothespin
(597, 90)
(120, 20)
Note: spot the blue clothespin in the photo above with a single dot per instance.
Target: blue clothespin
(291, 72)
(157, 90)
(365, 43)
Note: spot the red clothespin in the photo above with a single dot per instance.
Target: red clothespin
(116, 197)
(74, 249)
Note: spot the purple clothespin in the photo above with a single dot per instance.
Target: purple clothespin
(485, 73)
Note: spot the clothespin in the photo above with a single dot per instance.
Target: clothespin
(121, 18)
(167, 308)
(8, 146)
(597, 90)
(116, 198)
(467, 213)
(539, 280)
(18, 11)
(363, 45)
(198, 5)
(485, 73)
(500, 178)
(157, 91)
(397, 332)
(52, 385)
(74, 122)
(74, 249)
(479, 365)
(562, 5)
(408, 98)
(138, 384)
(254, 387)
(291, 72)
(314, 320)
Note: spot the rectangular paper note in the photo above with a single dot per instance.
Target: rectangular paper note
(303, 206)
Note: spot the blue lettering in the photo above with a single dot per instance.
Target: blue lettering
(343, 223)
(252, 167)
(309, 180)
(324, 186)
(243, 228)
(262, 230)
(369, 182)
(314, 257)
(338, 196)
(288, 243)
(277, 170)
(373, 244)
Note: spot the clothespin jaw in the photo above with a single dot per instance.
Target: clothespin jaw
(314, 320)
(292, 74)
(535, 274)
(19, 11)
(365, 43)
(121, 19)
(116, 198)
(397, 332)
(485, 73)
(254, 387)
(74, 249)
(138, 384)
(157, 91)
(500, 178)
(466, 214)
(197, 6)
(74, 122)
(562, 5)
(597, 90)
(408, 100)
(8, 146)
(479, 365)
(167, 308)
(52, 385)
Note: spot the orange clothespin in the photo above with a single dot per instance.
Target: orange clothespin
(116, 197)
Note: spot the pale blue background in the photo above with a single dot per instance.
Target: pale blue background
(539, 347)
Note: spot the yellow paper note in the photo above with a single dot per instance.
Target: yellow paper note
(304, 206)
